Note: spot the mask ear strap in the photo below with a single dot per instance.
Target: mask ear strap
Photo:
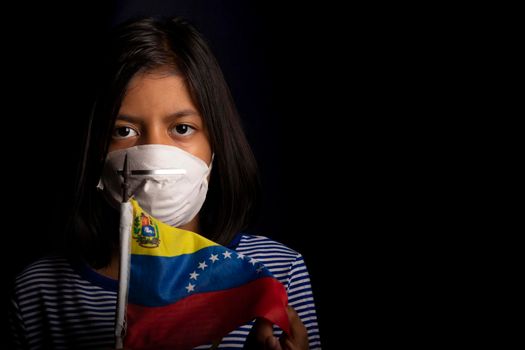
(211, 161)
(100, 185)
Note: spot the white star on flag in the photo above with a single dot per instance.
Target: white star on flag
(202, 265)
(253, 261)
(214, 257)
(227, 254)
(194, 275)
(190, 287)
(240, 256)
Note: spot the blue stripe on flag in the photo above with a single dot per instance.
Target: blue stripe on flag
(159, 281)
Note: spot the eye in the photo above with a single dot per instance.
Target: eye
(124, 132)
(182, 130)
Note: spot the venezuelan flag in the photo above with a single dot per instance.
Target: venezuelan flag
(185, 290)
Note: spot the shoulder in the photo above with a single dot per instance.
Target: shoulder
(52, 276)
(45, 269)
(42, 279)
(282, 261)
(263, 246)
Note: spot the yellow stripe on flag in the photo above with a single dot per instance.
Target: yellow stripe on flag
(153, 237)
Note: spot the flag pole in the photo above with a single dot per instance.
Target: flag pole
(126, 220)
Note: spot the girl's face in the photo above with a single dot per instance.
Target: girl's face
(158, 109)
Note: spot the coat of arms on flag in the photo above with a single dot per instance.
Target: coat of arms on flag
(146, 231)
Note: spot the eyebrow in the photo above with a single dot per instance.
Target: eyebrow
(178, 114)
(182, 113)
(129, 118)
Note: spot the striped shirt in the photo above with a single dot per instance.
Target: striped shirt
(61, 304)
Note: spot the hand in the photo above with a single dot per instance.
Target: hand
(261, 337)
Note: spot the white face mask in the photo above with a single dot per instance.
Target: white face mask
(167, 182)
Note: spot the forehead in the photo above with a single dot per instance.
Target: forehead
(165, 89)
(161, 77)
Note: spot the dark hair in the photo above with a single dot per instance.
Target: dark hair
(143, 45)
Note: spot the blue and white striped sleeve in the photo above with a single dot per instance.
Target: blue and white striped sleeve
(301, 298)
(16, 339)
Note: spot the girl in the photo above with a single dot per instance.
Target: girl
(162, 91)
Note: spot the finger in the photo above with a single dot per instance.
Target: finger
(298, 337)
(296, 325)
(263, 329)
(261, 336)
(286, 343)
(272, 343)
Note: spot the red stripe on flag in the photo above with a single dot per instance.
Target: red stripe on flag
(206, 317)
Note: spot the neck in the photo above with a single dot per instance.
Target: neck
(192, 226)
(112, 270)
